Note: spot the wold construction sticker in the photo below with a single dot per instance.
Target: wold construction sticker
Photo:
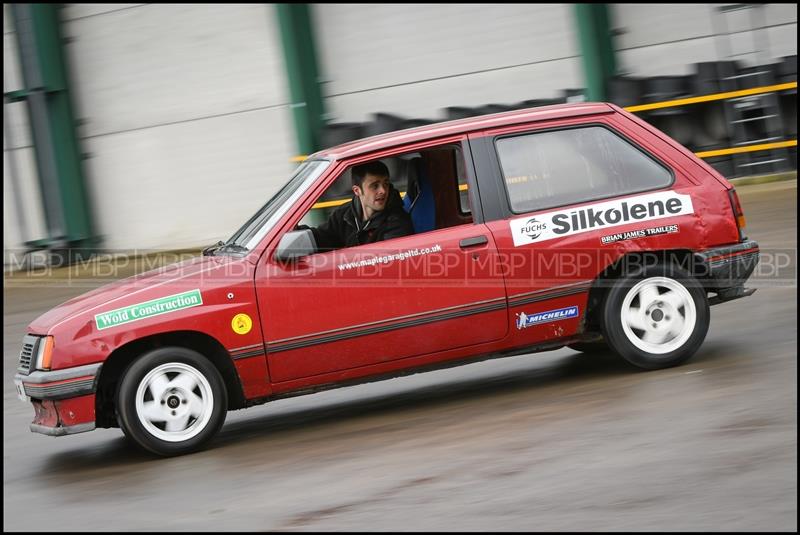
(241, 324)
(148, 309)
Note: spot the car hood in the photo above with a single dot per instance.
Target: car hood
(174, 278)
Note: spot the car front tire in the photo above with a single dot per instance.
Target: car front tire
(171, 401)
(656, 318)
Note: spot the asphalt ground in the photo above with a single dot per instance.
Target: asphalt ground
(550, 441)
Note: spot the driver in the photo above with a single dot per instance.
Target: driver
(374, 213)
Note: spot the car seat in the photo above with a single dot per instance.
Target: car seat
(419, 202)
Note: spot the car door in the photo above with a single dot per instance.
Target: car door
(371, 305)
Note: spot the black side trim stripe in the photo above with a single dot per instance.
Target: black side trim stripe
(247, 355)
(245, 348)
(553, 289)
(276, 346)
(547, 297)
(549, 293)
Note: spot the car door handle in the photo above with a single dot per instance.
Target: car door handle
(473, 241)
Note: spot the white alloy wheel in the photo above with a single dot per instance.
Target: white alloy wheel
(174, 402)
(658, 315)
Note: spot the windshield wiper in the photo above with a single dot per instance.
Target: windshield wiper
(232, 248)
(222, 247)
(211, 249)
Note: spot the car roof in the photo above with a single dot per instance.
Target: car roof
(460, 126)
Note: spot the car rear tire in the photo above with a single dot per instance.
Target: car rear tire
(656, 318)
(171, 401)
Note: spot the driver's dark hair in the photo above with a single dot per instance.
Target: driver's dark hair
(377, 168)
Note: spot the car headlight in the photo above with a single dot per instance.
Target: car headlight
(45, 353)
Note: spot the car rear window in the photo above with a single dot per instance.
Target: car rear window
(559, 167)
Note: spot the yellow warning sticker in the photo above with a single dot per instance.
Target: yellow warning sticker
(241, 324)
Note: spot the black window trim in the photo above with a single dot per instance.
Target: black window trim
(464, 165)
(506, 205)
(471, 174)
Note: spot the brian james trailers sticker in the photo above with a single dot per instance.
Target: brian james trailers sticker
(639, 233)
(524, 320)
(599, 216)
(148, 309)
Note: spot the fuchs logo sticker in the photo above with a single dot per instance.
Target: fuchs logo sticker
(524, 320)
(599, 216)
(534, 228)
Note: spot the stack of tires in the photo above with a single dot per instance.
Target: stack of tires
(705, 127)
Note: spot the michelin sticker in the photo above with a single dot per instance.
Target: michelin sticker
(640, 233)
(599, 216)
(524, 320)
(148, 309)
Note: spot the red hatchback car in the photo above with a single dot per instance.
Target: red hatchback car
(577, 225)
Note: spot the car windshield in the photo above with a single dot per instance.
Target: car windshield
(257, 226)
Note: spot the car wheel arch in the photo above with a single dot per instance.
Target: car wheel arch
(118, 361)
(623, 266)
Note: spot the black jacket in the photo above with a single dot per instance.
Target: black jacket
(345, 228)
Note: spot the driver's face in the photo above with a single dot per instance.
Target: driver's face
(374, 193)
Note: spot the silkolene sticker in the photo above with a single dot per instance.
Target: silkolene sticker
(599, 216)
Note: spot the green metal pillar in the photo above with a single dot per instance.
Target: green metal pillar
(58, 156)
(299, 51)
(597, 48)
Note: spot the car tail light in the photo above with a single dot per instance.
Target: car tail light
(738, 213)
(45, 353)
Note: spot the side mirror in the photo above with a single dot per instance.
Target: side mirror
(296, 244)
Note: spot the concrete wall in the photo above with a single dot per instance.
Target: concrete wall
(667, 39)
(185, 117)
(413, 60)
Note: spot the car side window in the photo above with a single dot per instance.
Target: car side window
(431, 191)
(559, 167)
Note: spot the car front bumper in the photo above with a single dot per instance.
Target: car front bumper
(63, 400)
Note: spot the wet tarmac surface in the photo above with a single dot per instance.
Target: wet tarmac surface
(550, 441)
